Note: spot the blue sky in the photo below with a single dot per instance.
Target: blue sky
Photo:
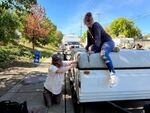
(67, 14)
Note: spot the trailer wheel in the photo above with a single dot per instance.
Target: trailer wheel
(147, 108)
(77, 108)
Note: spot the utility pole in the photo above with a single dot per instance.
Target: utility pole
(98, 16)
(81, 27)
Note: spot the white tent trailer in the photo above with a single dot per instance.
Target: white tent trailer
(132, 68)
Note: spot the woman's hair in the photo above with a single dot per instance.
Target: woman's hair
(56, 60)
(88, 18)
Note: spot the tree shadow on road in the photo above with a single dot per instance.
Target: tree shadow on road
(8, 80)
(7, 65)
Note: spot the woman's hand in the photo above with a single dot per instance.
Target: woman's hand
(73, 65)
(74, 61)
(90, 52)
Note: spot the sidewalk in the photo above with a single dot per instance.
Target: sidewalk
(30, 89)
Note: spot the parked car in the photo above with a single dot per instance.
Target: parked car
(72, 44)
(69, 46)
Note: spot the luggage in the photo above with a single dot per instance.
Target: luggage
(8, 106)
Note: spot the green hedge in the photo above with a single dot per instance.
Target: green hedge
(12, 52)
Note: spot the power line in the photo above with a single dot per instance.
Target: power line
(141, 16)
(136, 17)
(81, 26)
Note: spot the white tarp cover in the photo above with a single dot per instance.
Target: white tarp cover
(122, 59)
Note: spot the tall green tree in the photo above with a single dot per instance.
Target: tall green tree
(17, 4)
(108, 30)
(12, 16)
(36, 25)
(126, 27)
(83, 37)
(51, 37)
(9, 23)
(147, 36)
(59, 37)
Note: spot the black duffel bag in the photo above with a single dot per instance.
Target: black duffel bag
(8, 106)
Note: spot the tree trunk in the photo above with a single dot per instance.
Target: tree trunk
(33, 46)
